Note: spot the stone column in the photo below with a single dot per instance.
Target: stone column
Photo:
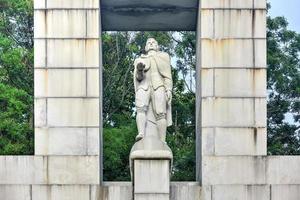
(233, 85)
(67, 89)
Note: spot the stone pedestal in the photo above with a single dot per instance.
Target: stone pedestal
(150, 161)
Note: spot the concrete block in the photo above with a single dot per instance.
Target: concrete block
(286, 192)
(92, 53)
(207, 82)
(40, 23)
(241, 192)
(40, 112)
(73, 53)
(227, 53)
(260, 21)
(240, 141)
(208, 141)
(226, 4)
(260, 4)
(60, 192)
(39, 53)
(61, 141)
(151, 197)
(207, 21)
(233, 23)
(227, 112)
(185, 191)
(23, 170)
(39, 4)
(240, 82)
(60, 82)
(123, 191)
(72, 4)
(206, 193)
(260, 112)
(73, 170)
(151, 176)
(260, 53)
(93, 24)
(72, 24)
(93, 146)
(112, 191)
(283, 170)
(15, 192)
(93, 83)
(73, 112)
(231, 170)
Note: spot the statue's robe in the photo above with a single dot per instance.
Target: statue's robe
(157, 74)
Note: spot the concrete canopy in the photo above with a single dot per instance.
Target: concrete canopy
(145, 15)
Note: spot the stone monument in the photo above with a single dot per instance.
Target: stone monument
(150, 157)
(153, 88)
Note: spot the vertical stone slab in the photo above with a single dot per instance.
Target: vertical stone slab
(67, 95)
(233, 85)
(151, 179)
(150, 161)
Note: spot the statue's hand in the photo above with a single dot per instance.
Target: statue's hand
(140, 71)
(169, 96)
(140, 66)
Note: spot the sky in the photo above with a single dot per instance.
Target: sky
(290, 9)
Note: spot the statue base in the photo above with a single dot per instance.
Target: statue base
(150, 165)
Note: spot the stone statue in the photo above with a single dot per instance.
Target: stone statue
(153, 90)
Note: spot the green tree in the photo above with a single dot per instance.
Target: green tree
(16, 77)
(283, 88)
(15, 131)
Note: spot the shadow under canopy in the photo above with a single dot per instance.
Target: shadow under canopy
(145, 15)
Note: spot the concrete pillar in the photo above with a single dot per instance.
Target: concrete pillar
(66, 73)
(233, 86)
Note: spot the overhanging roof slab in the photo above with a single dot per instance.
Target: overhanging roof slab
(143, 15)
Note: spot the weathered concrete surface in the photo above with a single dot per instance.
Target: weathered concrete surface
(233, 170)
(123, 191)
(152, 176)
(227, 112)
(60, 82)
(241, 192)
(15, 192)
(72, 53)
(83, 4)
(73, 170)
(236, 4)
(283, 170)
(73, 112)
(66, 141)
(73, 24)
(185, 191)
(58, 192)
(234, 141)
(23, 170)
(286, 192)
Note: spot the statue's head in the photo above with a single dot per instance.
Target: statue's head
(151, 44)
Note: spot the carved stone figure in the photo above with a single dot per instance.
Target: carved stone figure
(153, 89)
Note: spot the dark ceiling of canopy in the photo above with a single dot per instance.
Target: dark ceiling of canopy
(149, 15)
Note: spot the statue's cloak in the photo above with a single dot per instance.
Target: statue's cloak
(163, 65)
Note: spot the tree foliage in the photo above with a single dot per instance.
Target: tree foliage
(15, 131)
(283, 88)
(16, 77)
